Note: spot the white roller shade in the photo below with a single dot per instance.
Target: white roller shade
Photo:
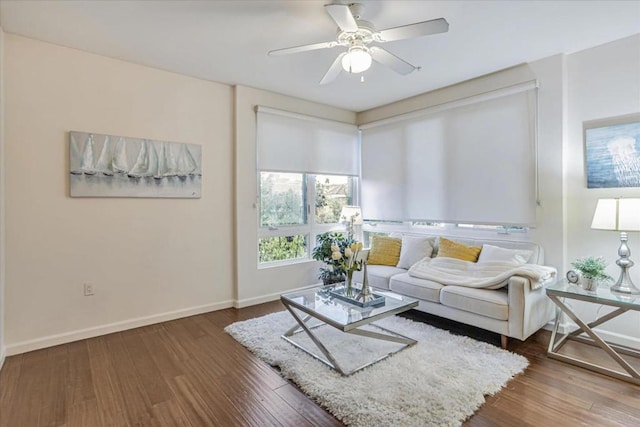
(383, 175)
(471, 163)
(289, 142)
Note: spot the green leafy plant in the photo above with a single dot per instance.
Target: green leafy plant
(333, 272)
(592, 268)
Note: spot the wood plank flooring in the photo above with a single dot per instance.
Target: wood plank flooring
(189, 372)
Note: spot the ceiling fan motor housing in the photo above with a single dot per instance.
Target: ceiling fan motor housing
(365, 33)
(357, 10)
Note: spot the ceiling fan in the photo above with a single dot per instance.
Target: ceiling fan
(357, 35)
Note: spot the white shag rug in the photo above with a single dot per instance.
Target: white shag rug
(440, 381)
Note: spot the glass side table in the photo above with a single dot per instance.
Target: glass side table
(562, 291)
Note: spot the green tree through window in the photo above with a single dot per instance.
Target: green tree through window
(287, 225)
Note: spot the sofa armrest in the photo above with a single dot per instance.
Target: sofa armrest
(529, 307)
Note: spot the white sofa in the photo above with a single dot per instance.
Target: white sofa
(516, 310)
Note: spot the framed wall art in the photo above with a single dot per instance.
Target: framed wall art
(117, 166)
(612, 152)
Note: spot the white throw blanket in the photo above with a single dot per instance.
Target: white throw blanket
(488, 275)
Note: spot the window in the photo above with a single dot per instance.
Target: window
(282, 199)
(282, 248)
(331, 194)
(286, 225)
(500, 229)
(306, 174)
(395, 228)
(425, 224)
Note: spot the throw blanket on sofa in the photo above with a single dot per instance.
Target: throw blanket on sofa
(488, 275)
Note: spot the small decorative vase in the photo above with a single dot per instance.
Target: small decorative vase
(588, 284)
(349, 284)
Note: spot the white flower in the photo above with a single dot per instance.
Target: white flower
(348, 252)
(336, 255)
(335, 248)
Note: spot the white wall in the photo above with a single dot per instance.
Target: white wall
(2, 211)
(549, 232)
(148, 259)
(602, 82)
(256, 285)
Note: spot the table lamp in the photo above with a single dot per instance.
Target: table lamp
(352, 215)
(621, 215)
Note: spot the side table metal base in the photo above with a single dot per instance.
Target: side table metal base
(614, 351)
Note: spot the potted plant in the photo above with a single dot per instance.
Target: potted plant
(333, 271)
(591, 271)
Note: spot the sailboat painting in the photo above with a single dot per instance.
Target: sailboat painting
(117, 166)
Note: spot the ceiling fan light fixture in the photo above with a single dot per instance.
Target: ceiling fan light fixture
(356, 60)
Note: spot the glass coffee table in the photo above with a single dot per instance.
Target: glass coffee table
(315, 308)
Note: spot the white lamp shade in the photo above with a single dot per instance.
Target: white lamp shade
(617, 214)
(356, 61)
(349, 212)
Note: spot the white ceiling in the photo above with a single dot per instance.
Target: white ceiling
(227, 41)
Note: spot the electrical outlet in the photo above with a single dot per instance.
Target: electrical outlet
(88, 289)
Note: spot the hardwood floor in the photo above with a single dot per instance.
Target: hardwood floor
(189, 372)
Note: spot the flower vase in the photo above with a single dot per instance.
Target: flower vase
(349, 284)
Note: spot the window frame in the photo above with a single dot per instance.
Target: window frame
(310, 229)
(446, 229)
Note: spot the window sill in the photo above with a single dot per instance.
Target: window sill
(285, 263)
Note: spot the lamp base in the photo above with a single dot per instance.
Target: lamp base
(624, 284)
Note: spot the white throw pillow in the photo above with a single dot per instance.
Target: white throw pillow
(495, 253)
(414, 249)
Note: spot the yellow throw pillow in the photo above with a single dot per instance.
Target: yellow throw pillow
(384, 250)
(449, 248)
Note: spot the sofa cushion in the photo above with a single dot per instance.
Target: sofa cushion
(414, 249)
(378, 275)
(496, 253)
(449, 248)
(537, 253)
(415, 288)
(489, 303)
(384, 250)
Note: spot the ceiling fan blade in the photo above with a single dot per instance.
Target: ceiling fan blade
(418, 29)
(334, 70)
(343, 17)
(303, 48)
(390, 60)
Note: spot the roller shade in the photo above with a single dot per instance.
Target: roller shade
(290, 142)
(473, 162)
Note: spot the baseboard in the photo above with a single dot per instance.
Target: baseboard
(624, 340)
(3, 354)
(563, 328)
(241, 303)
(611, 337)
(49, 341)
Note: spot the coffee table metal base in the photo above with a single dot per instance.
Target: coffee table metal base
(329, 359)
